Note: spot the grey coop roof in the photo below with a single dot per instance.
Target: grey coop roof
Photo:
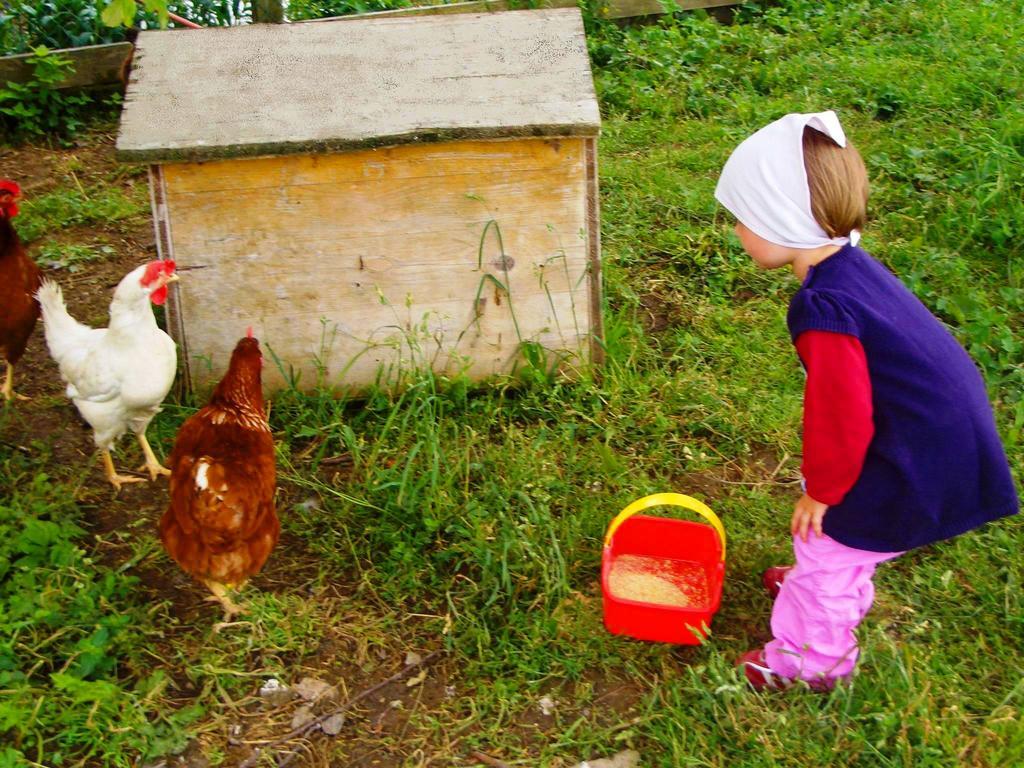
(269, 89)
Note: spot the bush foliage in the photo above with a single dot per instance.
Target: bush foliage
(39, 107)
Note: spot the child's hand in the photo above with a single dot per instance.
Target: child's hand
(807, 513)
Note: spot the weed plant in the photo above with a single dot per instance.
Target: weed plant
(38, 108)
(73, 632)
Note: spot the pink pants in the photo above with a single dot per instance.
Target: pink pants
(821, 602)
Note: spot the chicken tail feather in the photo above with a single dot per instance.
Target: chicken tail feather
(63, 332)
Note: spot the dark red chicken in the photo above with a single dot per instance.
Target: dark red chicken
(19, 280)
(221, 524)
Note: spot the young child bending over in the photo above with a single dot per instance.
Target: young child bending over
(900, 447)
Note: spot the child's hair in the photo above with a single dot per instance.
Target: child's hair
(838, 182)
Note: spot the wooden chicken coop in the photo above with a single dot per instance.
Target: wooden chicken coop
(374, 195)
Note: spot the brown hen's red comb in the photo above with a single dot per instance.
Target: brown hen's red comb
(9, 208)
(248, 332)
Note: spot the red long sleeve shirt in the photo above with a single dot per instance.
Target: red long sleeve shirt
(838, 424)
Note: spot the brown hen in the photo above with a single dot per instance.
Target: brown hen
(19, 280)
(221, 524)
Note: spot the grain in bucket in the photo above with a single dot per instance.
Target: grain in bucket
(662, 578)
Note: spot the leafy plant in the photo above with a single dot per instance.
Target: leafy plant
(122, 12)
(71, 256)
(39, 107)
(53, 597)
(28, 24)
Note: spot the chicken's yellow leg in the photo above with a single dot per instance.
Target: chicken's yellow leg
(222, 594)
(115, 479)
(8, 390)
(152, 465)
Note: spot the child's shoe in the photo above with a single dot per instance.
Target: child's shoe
(773, 577)
(760, 677)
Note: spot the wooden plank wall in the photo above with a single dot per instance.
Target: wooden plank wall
(362, 263)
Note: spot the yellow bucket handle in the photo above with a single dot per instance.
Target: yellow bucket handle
(666, 499)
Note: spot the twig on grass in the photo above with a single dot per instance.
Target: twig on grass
(756, 483)
(306, 728)
(486, 759)
(331, 461)
(783, 460)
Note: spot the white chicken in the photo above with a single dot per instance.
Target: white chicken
(116, 376)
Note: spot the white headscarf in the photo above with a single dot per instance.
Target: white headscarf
(764, 183)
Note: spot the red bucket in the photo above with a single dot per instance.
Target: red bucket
(662, 578)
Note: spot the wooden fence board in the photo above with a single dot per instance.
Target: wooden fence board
(433, 9)
(100, 66)
(623, 9)
(610, 9)
(95, 66)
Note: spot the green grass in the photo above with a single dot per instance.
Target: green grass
(473, 519)
(71, 206)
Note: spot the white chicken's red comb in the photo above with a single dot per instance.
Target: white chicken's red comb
(155, 268)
